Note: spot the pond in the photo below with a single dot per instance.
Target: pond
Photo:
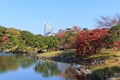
(14, 67)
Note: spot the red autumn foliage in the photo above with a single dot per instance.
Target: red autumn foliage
(116, 44)
(91, 41)
(5, 38)
(61, 36)
(68, 37)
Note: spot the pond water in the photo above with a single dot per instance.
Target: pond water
(26, 68)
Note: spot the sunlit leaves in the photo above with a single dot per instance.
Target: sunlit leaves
(13, 32)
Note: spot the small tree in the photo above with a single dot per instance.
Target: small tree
(68, 37)
(115, 31)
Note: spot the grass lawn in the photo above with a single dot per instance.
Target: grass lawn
(112, 58)
(57, 53)
(50, 54)
(111, 66)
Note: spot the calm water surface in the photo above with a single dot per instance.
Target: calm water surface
(25, 68)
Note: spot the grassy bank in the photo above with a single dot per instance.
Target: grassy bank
(110, 67)
(111, 57)
(111, 62)
(57, 54)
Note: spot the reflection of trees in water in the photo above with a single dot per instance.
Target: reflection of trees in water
(72, 75)
(11, 63)
(8, 63)
(26, 62)
(47, 69)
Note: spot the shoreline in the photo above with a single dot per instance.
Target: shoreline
(94, 63)
(108, 59)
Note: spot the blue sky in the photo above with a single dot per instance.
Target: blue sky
(31, 15)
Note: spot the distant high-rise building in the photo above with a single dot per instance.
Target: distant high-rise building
(47, 30)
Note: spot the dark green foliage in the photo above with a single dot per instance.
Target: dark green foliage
(52, 42)
(115, 31)
(28, 38)
(0, 38)
(2, 30)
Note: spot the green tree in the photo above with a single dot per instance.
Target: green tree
(52, 42)
(0, 38)
(115, 31)
(40, 42)
(28, 38)
(13, 32)
(70, 36)
(2, 30)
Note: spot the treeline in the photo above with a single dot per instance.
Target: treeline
(14, 40)
(106, 35)
(83, 40)
(90, 41)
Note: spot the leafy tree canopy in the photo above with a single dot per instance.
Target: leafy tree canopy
(13, 32)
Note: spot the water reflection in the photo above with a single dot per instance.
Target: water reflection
(26, 62)
(50, 68)
(71, 73)
(38, 69)
(12, 63)
(25, 68)
(47, 69)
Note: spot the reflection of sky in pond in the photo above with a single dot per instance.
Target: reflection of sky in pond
(26, 68)
(63, 66)
(26, 74)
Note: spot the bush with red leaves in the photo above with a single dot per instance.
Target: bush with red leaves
(92, 41)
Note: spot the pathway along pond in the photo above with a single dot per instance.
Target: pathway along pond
(14, 67)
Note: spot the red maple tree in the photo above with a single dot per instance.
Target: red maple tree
(92, 41)
(5, 38)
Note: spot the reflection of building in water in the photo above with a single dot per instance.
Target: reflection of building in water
(47, 30)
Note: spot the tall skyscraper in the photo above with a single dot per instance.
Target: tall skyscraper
(47, 29)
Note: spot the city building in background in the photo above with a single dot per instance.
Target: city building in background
(48, 31)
